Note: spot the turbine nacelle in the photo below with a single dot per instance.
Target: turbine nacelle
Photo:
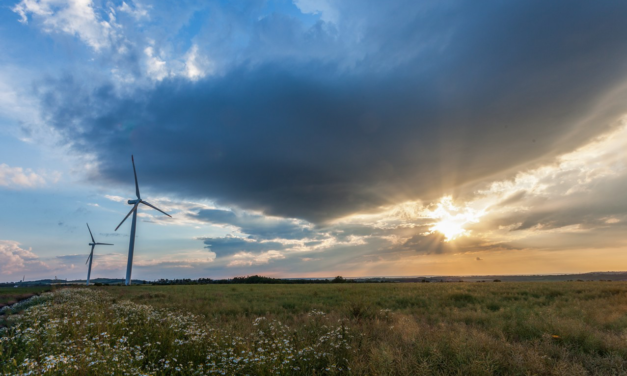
(133, 202)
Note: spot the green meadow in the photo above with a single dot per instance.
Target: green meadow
(532, 328)
(10, 295)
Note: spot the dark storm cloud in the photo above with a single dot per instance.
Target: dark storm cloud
(415, 101)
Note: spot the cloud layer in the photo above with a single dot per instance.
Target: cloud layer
(319, 136)
(313, 134)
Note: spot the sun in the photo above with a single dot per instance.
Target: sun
(451, 229)
(452, 219)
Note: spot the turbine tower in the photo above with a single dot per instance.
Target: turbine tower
(135, 203)
(91, 254)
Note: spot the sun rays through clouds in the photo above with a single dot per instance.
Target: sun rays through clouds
(451, 220)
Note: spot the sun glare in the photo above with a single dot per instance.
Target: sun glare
(452, 219)
(449, 228)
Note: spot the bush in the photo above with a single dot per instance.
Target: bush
(338, 279)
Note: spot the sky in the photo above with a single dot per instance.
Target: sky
(313, 138)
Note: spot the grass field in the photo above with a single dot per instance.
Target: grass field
(569, 328)
(10, 295)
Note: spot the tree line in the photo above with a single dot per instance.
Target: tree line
(253, 279)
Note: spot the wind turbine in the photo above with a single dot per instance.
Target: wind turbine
(135, 203)
(91, 254)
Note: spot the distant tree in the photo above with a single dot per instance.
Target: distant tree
(497, 280)
(257, 279)
(338, 279)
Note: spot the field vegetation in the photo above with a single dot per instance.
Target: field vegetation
(11, 295)
(565, 328)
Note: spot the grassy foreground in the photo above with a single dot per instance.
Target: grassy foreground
(383, 329)
(10, 295)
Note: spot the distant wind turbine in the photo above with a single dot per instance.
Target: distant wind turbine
(91, 254)
(135, 203)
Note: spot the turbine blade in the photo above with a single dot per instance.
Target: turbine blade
(91, 254)
(92, 236)
(129, 213)
(104, 244)
(135, 172)
(156, 208)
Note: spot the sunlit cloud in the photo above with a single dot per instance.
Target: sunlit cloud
(18, 177)
(196, 65)
(155, 65)
(74, 18)
(532, 200)
(138, 11)
(512, 211)
(15, 259)
(178, 259)
(249, 259)
(450, 219)
(115, 198)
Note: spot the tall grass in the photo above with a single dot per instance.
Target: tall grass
(10, 295)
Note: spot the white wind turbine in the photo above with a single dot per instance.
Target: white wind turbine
(91, 254)
(135, 203)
